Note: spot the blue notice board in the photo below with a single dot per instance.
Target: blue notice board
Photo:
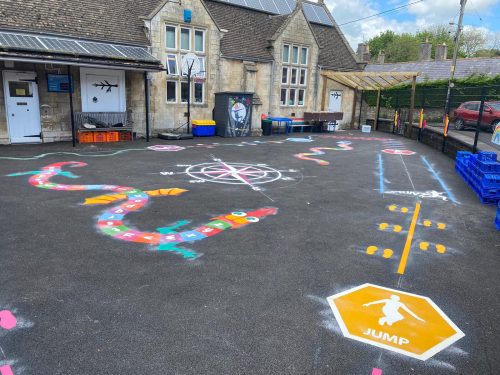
(58, 83)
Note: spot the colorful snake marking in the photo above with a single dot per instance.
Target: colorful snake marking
(343, 146)
(111, 222)
(8, 322)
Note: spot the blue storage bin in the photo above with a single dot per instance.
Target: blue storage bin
(204, 131)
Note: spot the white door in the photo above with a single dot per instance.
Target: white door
(103, 90)
(23, 107)
(335, 103)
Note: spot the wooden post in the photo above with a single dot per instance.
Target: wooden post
(412, 106)
(377, 113)
(353, 117)
(71, 111)
(323, 98)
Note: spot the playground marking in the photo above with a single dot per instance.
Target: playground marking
(409, 240)
(390, 319)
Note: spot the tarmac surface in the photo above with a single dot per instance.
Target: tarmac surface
(78, 297)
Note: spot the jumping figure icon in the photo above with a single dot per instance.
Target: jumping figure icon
(391, 310)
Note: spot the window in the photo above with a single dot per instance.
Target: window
(295, 55)
(284, 76)
(291, 99)
(185, 39)
(171, 91)
(294, 75)
(293, 78)
(198, 92)
(303, 77)
(171, 37)
(303, 56)
(181, 40)
(199, 41)
(283, 96)
(172, 67)
(286, 53)
(184, 92)
(302, 95)
(20, 89)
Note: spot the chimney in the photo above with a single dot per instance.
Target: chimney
(381, 57)
(441, 52)
(425, 51)
(363, 52)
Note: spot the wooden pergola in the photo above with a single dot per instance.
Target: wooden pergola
(372, 81)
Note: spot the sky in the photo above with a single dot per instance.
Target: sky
(478, 14)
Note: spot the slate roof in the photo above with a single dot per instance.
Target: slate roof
(335, 53)
(248, 30)
(438, 70)
(106, 20)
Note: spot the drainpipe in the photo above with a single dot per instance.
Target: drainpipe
(271, 87)
(316, 86)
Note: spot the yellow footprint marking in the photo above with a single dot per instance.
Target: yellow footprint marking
(397, 228)
(383, 226)
(441, 249)
(393, 207)
(441, 226)
(405, 210)
(424, 246)
(388, 253)
(427, 223)
(370, 250)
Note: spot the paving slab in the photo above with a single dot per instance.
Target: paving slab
(295, 220)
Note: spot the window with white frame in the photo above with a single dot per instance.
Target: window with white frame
(179, 41)
(295, 60)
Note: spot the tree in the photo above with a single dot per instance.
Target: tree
(471, 41)
(380, 42)
(404, 47)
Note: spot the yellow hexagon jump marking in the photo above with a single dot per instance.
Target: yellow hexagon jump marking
(370, 250)
(397, 228)
(388, 253)
(441, 226)
(402, 322)
(424, 246)
(427, 223)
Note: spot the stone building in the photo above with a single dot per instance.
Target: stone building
(118, 51)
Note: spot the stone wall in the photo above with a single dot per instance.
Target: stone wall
(347, 102)
(54, 107)
(297, 31)
(170, 116)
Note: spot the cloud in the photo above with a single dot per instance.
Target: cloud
(416, 17)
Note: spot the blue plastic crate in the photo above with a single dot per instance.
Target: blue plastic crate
(487, 156)
(487, 166)
(491, 181)
(497, 224)
(463, 155)
(203, 131)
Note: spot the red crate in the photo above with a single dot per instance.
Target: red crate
(112, 137)
(100, 137)
(85, 137)
(125, 136)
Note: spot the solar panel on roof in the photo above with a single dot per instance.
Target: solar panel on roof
(314, 13)
(135, 53)
(101, 49)
(62, 45)
(282, 6)
(19, 41)
(254, 4)
(71, 46)
(269, 6)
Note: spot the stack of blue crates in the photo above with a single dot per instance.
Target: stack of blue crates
(497, 220)
(482, 173)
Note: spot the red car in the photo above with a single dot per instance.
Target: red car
(468, 113)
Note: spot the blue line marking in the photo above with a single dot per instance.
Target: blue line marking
(381, 173)
(441, 182)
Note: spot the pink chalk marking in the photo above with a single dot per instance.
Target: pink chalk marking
(7, 320)
(377, 371)
(6, 370)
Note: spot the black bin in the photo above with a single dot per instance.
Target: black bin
(233, 114)
(267, 127)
